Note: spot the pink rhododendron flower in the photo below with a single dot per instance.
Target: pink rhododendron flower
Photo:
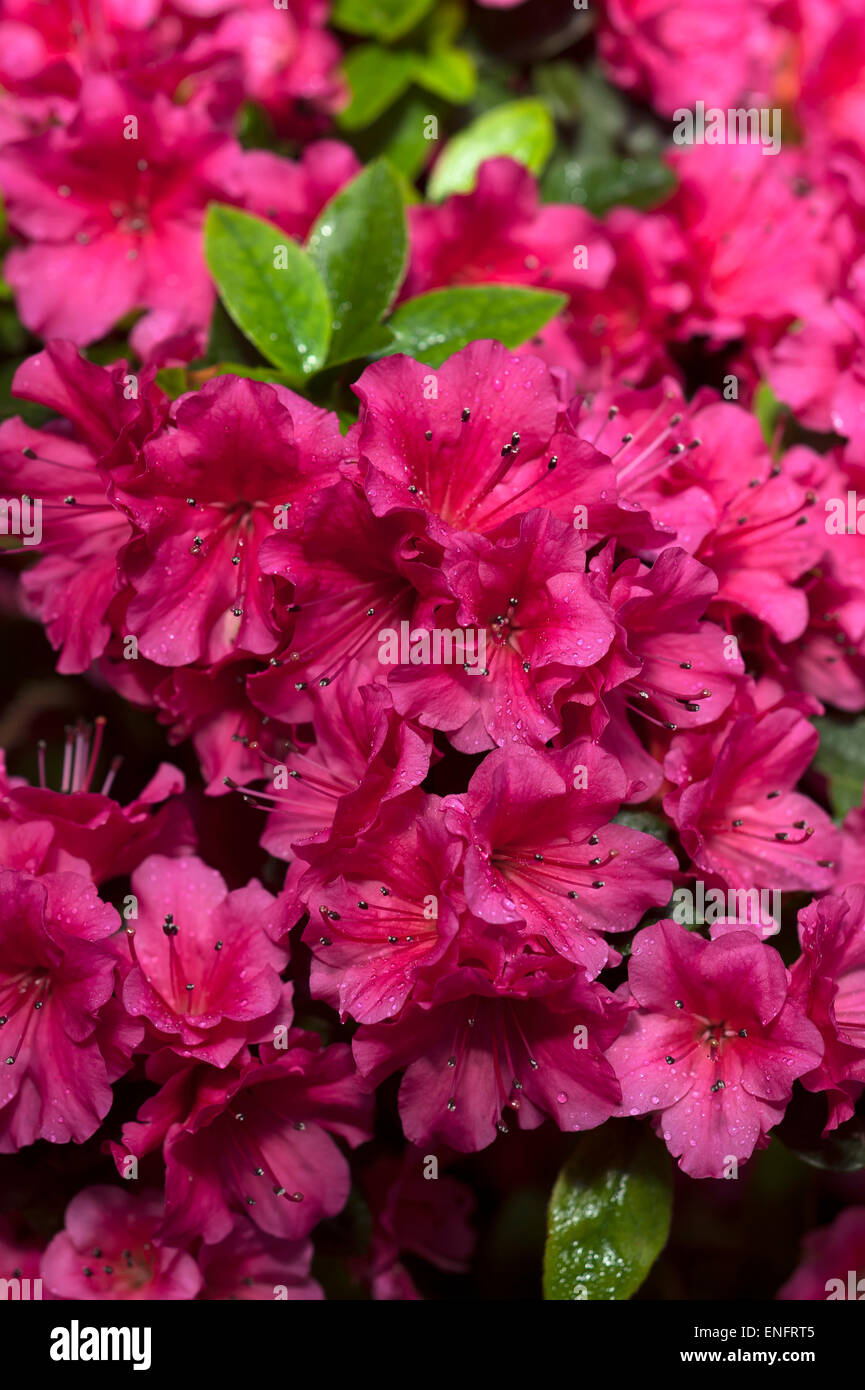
(544, 855)
(62, 1041)
(527, 1042)
(489, 445)
(511, 236)
(353, 575)
(288, 60)
(757, 240)
(114, 221)
(89, 830)
(383, 912)
(677, 52)
(237, 457)
(429, 1220)
(713, 1045)
(852, 867)
(107, 1251)
(206, 973)
(545, 622)
(736, 809)
(687, 673)
(829, 979)
(74, 582)
(828, 1254)
(277, 1113)
(113, 213)
(335, 787)
(250, 1265)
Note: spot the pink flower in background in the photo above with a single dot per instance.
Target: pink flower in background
(852, 869)
(250, 1265)
(288, 60)
(757, 238)
(108, 1251)
(829, 980)
(677, 52)
(114, 219)
(62, 1042)
(414, 1216)
(818, 366)
(112, 210)
(501, 232)
(828, 1254)
(206, 972)
(88, 830)
(713, 1045)
(292, 194)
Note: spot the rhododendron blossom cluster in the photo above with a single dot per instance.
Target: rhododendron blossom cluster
(447, 565)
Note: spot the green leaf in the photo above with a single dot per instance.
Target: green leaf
(377, 78)
(283, 310)
(226, 343)
(434, 325)
(379, 19)
(269, 374)
(359, 244)
(841, 759)
(173, 380)
(401, 135)
(648, 821)
(560, 86)
(375, 341)
(522, 129)
(609, 1215)
(445, 23)
(767, 409)
(448, 73)
(639, 181)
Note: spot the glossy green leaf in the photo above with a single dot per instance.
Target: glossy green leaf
(377, 77)
(271, 288)
(609, 1215)
(380, 19)
(522, 129)
(434, 325)
(841, 759)
(359, 244)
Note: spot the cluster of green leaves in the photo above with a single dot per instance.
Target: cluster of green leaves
(409, 44)
(604, 156)
(310, 309)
